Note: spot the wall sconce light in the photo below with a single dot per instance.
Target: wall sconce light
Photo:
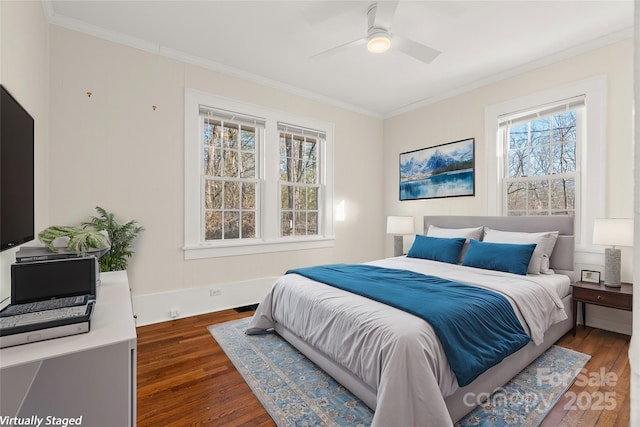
(399, 226)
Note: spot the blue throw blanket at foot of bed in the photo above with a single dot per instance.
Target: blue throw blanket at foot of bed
(477, 327)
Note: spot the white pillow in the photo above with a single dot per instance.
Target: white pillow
(544, 267)
(545, 242)
(551, 244)
(474, 233)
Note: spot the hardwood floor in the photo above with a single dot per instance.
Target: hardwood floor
(185, 379)
(600, 394)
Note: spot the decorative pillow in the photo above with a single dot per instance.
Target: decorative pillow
(436, 249)
(474, 233)
(508, 257)
(545, 242)
(551, 244)
(544, 267)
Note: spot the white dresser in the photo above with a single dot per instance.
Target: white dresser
(91, 375)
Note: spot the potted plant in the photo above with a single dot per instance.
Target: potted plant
(121, 239)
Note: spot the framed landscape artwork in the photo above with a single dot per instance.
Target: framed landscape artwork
(446, 170)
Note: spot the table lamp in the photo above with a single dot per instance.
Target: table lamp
(612, 232)
(398, 226)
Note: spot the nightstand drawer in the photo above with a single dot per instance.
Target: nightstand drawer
(607, 299)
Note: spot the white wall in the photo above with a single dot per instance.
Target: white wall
(634, 348)
(462, 117)
(24, 71)
(113, 150)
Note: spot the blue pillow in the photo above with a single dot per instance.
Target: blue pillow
(508, 257)
(437, 248)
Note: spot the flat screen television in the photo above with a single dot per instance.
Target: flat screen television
(17, 207)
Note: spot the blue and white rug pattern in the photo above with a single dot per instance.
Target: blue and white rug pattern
(530, 395)
(295, 392)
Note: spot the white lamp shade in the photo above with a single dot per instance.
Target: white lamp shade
(399, 225)
(613, 232)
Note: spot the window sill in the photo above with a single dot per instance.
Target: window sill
(254, 247)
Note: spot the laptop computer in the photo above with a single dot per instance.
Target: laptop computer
(49, 299)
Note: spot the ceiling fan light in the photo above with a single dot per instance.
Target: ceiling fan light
(379, 43)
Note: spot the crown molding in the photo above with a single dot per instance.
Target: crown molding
(512, 72)
(99, 32)
(225, 69)
(47, 7)
(137, 43)
(147, 46)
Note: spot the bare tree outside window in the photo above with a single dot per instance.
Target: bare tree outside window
(541, 166)
(257, 180)
(299, 184)
(230, 179)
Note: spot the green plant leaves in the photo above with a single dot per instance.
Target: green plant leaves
(80, 239)
(121, 236)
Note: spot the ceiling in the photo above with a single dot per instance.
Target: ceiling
(273, 41)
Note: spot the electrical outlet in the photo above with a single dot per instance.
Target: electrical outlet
(174, 312)
(215, 292)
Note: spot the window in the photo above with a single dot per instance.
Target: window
(230, 174)
(546, 155)
(541, 171)
(254, 182)
(299, 180)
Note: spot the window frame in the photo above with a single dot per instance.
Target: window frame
(593, 152)
(504, 135)
(267, 163)
(224, 179)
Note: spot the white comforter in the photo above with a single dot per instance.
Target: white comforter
(397, 354)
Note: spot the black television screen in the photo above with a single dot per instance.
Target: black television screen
(17, 210)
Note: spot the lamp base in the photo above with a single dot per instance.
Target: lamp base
(612, 285)
(398, 245)
(612, 267)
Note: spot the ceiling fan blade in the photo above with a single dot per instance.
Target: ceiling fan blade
(382, 16)
(416, 50)
(336, 49)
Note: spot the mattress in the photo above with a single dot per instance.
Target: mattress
(397, 355)
(558, 283)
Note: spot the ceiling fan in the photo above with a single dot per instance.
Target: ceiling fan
(379, 38)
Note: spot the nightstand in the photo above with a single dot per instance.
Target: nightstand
(598, 294)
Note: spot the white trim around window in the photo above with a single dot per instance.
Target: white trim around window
(593, 151)
(270, 240)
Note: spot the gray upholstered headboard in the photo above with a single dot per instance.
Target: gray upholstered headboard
(561, 260)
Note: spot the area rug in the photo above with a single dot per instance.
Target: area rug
(295, 392)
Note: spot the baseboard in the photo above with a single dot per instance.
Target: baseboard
(158, 307)
(609, 319)
(164, 306)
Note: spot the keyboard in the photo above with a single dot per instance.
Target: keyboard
(51, 304)
(42, 316)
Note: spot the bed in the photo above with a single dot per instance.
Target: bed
(394, 361)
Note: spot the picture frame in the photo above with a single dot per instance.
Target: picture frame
(445, 170)
(590, 276)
